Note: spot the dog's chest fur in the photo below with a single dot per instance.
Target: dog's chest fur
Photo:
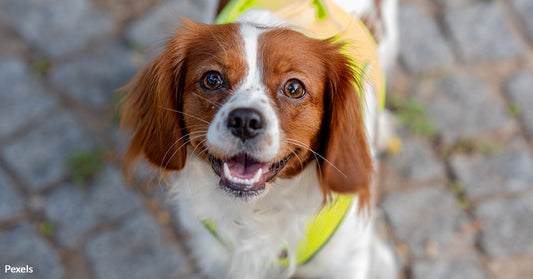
(257, 232)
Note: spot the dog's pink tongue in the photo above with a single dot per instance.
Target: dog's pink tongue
(244, 167)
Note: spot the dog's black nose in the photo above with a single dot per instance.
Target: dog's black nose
(245, 123)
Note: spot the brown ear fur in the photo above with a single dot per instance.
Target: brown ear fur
(151, 108)
(348, 169)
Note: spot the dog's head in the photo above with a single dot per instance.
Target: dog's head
(256, 104)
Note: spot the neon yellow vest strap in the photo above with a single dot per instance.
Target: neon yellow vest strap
(318, 231)
(234, 8)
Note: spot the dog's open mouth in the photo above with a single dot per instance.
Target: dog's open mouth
(244, 177)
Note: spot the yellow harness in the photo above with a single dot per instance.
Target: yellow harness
(317, 231)
(319, 21)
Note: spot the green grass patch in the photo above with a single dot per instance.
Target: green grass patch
(459, 191)
(457, 187)
(462, 201)
(487, 148)
(86, 164)
(412, 114)
(465, 145)
(470, 146)
(513, 109)
(46, 228)
(41, 66)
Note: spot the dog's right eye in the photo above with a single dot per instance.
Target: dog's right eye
(294, 89)
(211, 80)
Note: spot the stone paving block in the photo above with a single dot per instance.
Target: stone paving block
(419, 53)
(482, 32)
(454, 3)
(525, 10)
(75, 210)
(11, 202)
(458, 267)
(417, 162)
(39, 157)
(92, 79)
(21, 246)
(55, 27)
(462, 107)
(137, 250)
(21, 96)
(507, 171)
(154, 27)
(12, 45)
(428, 221)
(511, 268)
(507, 226)
(195, 276)
(520, 89)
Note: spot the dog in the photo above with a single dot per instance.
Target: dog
(267, 124)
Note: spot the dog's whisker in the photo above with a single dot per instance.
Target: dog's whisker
(173, 154)
(296, 142)
(314, 155)
(182, 137)
(192, 126)
(176, 141)
(190, 115)
(196, 147)
(299, 159)
(180, 147)
(207, 100)
(168, 150)
(204, 150)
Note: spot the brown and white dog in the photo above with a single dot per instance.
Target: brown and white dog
(262, 127)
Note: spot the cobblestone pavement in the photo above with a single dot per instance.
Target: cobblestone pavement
(457, 201)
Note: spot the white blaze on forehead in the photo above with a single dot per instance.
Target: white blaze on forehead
(250, 93)
(250, 35)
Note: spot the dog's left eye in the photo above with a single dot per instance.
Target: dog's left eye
(294, 89)
(211, 80)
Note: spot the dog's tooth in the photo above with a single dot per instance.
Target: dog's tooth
(257, 175)
(250, 181)
(227, 172)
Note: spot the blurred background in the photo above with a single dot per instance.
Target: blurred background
(456, 196)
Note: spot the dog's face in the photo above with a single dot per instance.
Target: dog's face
(256, 104)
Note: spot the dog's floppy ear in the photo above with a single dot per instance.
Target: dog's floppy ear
(151, 109)
(347, 167)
